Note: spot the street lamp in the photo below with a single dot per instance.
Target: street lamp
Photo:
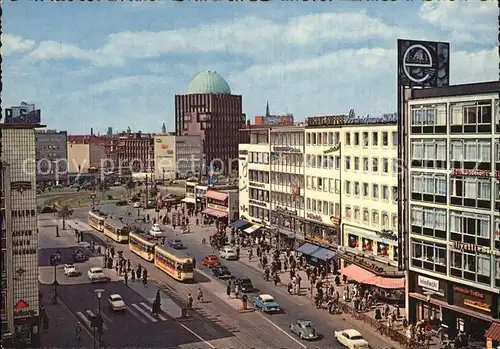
(53, 261)
(99, 293)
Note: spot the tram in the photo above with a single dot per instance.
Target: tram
(175, 263)
(96, 220)
(116, 230)
(142, 245)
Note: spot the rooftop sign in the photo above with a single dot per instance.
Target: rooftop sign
(351, 119)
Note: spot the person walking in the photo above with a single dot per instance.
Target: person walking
(200, 295)
(125, 277)
(145, 280)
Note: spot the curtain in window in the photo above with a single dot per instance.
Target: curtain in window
(441, 186)
(456, 222)
(484, 226)
(429, 184)
(471, 151)
(440, 220)
(441, 151)
(429, 218)
(484, 151)
(416, 216)
(429, 151)
(470, 188)
(483, 265)
(456, 115)
(457, 153)
(417, 151)
(484, 189)
(417, 183)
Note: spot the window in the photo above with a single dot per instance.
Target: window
(366, 190)
(428, 255)
(385, 139)
(428, 187)
(357, 214)
(394, 138)
(331, 185)
(337, 162)
(471, 150)
(356, 163)
(470, 266)
(365, 165)
(366, 140)
(366, 216)
(394, 219)
(347, 162)
(347, 138)
(308, 201)
(470, 228)
(471, 192)
(385, 165)
(428, 153)
(356, 138)
(337, 186)
(385, 221)
(375, 218)
(348, 212)
(428, 221)
(375, 165)
(394, 193)
(471, 117)
(375, 139)
(348, 187)
(375, 191)
(356, 189)
(385, 193)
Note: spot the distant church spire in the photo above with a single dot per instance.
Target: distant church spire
(163, 128)
(267, 110)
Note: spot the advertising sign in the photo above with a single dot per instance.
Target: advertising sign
(210, 177)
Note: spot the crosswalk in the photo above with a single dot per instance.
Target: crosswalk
(141, 311)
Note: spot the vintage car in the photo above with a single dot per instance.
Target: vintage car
(351, 339)
(266, 303)
(210, 261)
(221, 272)
(116, 302)
(304, 329)
(71, 270)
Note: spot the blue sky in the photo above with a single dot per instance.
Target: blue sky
(120, 64)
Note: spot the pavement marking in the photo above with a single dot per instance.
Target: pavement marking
(84, 319)
(131, 311)
(282, 330)
(91, 314)
(197, 335)
(148, 307)
(144, 312)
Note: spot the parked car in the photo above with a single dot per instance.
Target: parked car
(122, 203)
(176, 244)
(304, 329)
(245, 285)
(156, 230)
(71, 270)
(266, 303)
(221, 272)
(116, 303)
(351, 339)
(79, 255)
(228, 253)
(137, 204)
(96, 274)
(210, 261)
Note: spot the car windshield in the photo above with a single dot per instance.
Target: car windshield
(246, 282)
(269, 300)
(176, 241)
(96, 271)
(69, 265)
(308, 329)
(357, 338)
(116, 298)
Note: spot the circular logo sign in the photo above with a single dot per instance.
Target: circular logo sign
(417, 60)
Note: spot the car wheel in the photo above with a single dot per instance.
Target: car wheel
(300, 335)
(262, 309)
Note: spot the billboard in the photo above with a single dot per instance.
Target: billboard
(274, 120)
(423, 63)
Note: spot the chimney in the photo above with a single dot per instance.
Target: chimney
(91, 131)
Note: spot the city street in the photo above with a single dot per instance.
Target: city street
(296, 307)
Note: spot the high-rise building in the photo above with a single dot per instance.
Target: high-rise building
(20, 295)
(135, 152)
(209, 110)
(453, 221)
(51, 157)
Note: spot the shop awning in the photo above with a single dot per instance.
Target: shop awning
(251, 229)
(308, 249)
(215, 213)
(493, 332)
(211, 194)
(387, 283)
(189, 200)
(323, 254)
(240, 224)
(356, 273)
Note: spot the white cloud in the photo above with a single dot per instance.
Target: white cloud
(469, 22)
(15, 43)
(54, 50)
(125, 83)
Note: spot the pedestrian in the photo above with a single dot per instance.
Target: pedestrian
(132, 275)
(194, 263)
(128, 264)
(125, 277)
(145, 280)
(139, 271)
(228, 290)
(200, 295)
(117, 269)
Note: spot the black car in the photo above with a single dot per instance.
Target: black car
(122, 203)
(245, 285)
(221, 272)
(79, 256)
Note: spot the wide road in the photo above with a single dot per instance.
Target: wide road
(296, 307)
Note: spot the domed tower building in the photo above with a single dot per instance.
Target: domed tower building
(208, 109)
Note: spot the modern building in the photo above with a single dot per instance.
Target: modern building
(51, 157)
(209, 110)
(453, 222)
(135, 152)
(177, 156)
(20, 298)
(86, 154)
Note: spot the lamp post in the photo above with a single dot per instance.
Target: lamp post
(53, 261)
(99, 293)
(163, 176)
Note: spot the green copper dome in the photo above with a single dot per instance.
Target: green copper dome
(208, 82)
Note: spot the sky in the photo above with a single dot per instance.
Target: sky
(120, 64)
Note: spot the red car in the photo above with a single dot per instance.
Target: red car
(210, 261)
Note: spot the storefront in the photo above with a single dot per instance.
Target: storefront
(200, 191)
(217, 206)
(459, 307)
(190, 197)
(382, 244)
(288, 227)
(317, 255)
(319, 232)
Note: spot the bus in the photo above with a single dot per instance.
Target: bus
(142, 245)
(175, 263)
(116, 230)
(96, 220)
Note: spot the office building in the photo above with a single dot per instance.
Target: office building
(177, 156)
(20, 302)
(86, 154)
(135, 152)
(209, 110)
(51, 157)
(453, 162)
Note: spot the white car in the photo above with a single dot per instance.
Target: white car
(137, 204)
(351, 339)
(96, 274)
(116, 302)
(228, 253)
(156, 230)
(70, 270)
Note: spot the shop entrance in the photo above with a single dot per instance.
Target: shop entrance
(472, 326)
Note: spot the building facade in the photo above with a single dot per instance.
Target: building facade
(210, 111)
(453, 206)
(51, 157)
(177, 156)
(84, 154)
(21, 229)
(135, 152)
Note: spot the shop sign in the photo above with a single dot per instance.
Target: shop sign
(243, 152)
(473, 173)
(314, 217)
(20, 186)
(428, 283)
(352, 119)
(387, 234)
(218, 207)
(473, 299)
(463, 246)
(257, 185)
(335, 220)
(258, 203)
(329, 120)
(333, 149)
(22, 233)
(23, 213)
(21, 309)
(468, 292)
(287, 150)
(477, 305)
(286, 211)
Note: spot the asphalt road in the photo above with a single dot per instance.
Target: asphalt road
(296, 307)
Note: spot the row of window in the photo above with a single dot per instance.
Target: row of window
(258, 212)
(322, 138)
(259, 194)
(377, 139)
(372, 165)
(461, 150)
(287, 200)
(323, 207)
(287, 138)
(258, 176)
(377, 192)
(287, 179)
(371, 217)
(461, 114)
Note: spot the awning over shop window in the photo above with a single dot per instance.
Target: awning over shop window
(251, 229)
(211, 194)
(240, 224)
(308, 249)
(387, 283)
(356, 273)
(189, 200)
(215, 213)
(323, 254)
(493, 332)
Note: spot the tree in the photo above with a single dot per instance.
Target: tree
(64, 213)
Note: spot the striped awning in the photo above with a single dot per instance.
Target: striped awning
(189, 200)
(251, 229)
